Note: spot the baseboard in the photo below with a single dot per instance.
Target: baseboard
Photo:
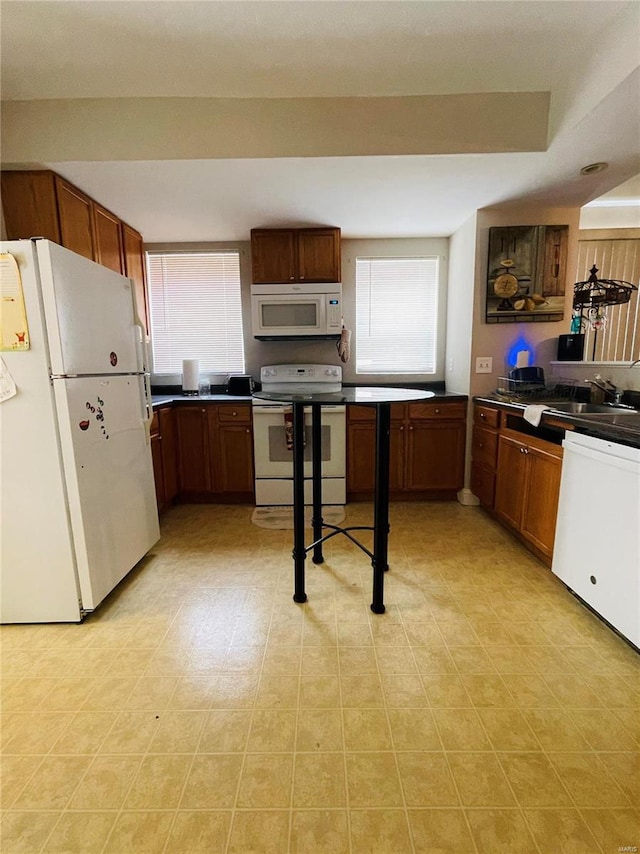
(466, 497)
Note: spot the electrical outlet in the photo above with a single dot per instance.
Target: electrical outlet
(484, 364)
(451, 363)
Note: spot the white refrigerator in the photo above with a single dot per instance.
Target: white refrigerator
(77, 498)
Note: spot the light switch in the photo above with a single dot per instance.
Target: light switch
(484, 364)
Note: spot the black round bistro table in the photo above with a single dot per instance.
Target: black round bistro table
(379, 398)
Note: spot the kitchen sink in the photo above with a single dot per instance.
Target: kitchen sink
(576, 408)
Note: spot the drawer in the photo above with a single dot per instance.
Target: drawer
(486, 415)
(483, 485)
(238, 413)
(155, 424)
(440, 411)
(368, 413)
(484, 447)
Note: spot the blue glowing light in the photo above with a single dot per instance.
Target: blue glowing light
(521, 343)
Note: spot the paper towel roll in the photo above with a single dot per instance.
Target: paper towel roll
(190, 374)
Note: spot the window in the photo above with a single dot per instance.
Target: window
(396, 315)
(195, 310)
(615, 258)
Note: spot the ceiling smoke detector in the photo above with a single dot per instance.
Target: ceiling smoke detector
(593, 168)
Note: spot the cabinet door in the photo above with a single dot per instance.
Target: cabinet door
(158, 473)
(168, 433)
(108, 241)
(76, 220)
(319, 255)
(29, 205)
(193, 449)
(435, 455)
(361, 456)
(540, 505)
(510, 481)
(235, 458)
(273, 255)
(483, 485)
(134, 267)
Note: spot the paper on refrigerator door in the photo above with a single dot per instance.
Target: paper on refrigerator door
(7, 385)
(14, 332)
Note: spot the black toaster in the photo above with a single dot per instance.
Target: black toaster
(240, 384)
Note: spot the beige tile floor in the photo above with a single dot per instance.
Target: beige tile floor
(201, 710)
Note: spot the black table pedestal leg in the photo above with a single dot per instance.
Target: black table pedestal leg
(299, 552)
(381, 506)
(316, 452)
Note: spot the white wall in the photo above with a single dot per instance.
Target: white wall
(462, 262)
(496, 339)
(258, 353)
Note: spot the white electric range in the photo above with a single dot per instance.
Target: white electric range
(272, 439)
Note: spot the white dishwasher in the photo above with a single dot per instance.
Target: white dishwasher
(597, 545)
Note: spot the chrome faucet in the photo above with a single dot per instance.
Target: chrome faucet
(612, 394)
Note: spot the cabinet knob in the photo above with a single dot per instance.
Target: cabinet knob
(401, 429)
(247, 430)
(437, 411)
(234, 412)
(482, 415)
(410, 428)
(302, 278)
(291, 278)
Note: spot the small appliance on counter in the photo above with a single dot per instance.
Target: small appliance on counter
(190, 376)
(571, 347)
(532, 375)
(240, 384)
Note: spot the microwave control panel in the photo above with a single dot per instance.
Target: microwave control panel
(334, 314)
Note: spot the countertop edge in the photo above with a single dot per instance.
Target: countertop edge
(159, 400)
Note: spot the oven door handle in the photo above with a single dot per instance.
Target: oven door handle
(274, 410)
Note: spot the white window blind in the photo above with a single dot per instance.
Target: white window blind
(195, 310)
(396, 315)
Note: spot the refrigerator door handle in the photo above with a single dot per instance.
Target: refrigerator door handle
(147, 407)
(144, 347)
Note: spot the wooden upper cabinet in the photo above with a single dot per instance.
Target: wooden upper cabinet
(76, 219)
(108, 239)
(39, 203)
(295, 255)
(273, 255)
(319, 255)
(134, 267)
(29, 205)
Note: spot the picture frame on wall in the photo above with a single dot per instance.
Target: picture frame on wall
(526, 273)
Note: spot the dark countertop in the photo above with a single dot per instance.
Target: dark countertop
(165, 399)
(159, 399)
(623, 428)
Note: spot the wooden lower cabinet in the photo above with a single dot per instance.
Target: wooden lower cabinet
(484, 454)
(427, 443)
(527, 489)
(231, 443)
(215, 453)
(194, 478)
(164, 454)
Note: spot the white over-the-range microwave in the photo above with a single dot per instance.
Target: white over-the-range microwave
(296, 310)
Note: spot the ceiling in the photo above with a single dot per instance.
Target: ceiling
(88, 49)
